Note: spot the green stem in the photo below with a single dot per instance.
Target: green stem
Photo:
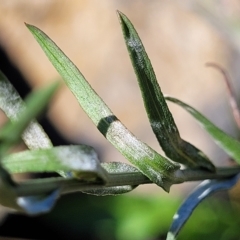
(66, 185)
(187, 175)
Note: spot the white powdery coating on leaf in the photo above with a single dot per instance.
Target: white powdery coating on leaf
(78, 158)
(118, 167)
(35, 137)
(110, 190)
(138, 47)
(12, 104)
(156, 125)
(160, 125)
(10, 101)
(136, 44)
(126, 143)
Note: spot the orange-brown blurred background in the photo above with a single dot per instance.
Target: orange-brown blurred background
(179, 38)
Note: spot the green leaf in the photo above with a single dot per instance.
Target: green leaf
(160, 117)
(119, 167)
(225, 141)
(157, 168)
(81, 161)
(11, 133)
(12, 105)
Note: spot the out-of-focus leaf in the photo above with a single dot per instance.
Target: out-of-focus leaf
(35, 205)
(160, 117)
(225, 141)
(11, 133)
(81, 161)
(12, 104)
(114, 168)
(205, 189)
(153, 165)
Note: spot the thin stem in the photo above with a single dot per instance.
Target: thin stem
(187, 175)
(67, 185)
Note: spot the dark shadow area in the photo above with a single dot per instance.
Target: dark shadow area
(68, 220)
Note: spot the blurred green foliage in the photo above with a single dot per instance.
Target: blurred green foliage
(139, 217)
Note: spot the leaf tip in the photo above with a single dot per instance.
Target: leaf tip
(29, 26)
(122, 17)
(119, 14)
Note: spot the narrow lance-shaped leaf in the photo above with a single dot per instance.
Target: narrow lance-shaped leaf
(160, 117)
(12, 105)
(11, 133)
(225, 141)
(81, 161)
(34, 137)
(205, 189)
(153, 165)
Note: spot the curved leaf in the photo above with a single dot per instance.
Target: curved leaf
(225, 141)
(205, 189)
(12, 105)
(81, 161)
(157, 168)
(160, 117)
(11, 133)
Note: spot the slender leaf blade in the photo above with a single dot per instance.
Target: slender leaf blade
(12, 105)
(150, 163)
(80, 161)
(160, 117)
(225, 141)
(205, 189)
(11, 133)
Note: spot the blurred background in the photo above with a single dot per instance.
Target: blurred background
(180, 37)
